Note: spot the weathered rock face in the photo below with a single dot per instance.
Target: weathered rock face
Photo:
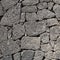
(3, 33)
(18, 31)
(52, 22)
(30, 43)
(45, 14)
(29, 29)
(27, 55)
(8, 3)
(30, 2)
(29, 9)
(56, 9)
(57, 1)
(12, 16)
(42, 5)
(54, 32)
(35, 28)
(39, 55)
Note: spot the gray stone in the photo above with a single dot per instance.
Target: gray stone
(22, 17)
(42, 5)
(35, 28)
(3, 33)
(45, 0)
(31, 17)
(30, 43)
(29, 9)
(45, 14)
(39, 55)
(52, 43)
(57, 46)
(18, 31)
(56, 9)
(50, 5)
(44, 37)
(27, 55)
(56, 1)
(9, 47)
(1, 10)
(52, 21)
(49, 55)
(8, 3)
(4, 48)
(46, 47)
(56, 55)
(54, 32)
(17, 56)
(8, 57)
(12, 16)
(30, 2)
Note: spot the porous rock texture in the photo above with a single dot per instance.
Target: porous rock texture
(29, 29)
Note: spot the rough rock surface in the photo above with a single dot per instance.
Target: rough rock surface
(29, 29)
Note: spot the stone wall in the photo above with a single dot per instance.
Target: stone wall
(29, 29)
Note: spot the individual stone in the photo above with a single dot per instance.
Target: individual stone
(44, 37)
(31, 17)
(45, 0)
(29, 9)
(42, 5)
(8, 3)
(50, 5)
(56, 1)
(22, 17)
(30, 43)
(52, 21)
(18, 31)
(45, 14)
(8, 57)
(4, 48)
(39, 55)
(17, 56)
(49, 55)
(13, 46)
(56, 9)
(30, 2)
(27, 55)
(56, 55)
(35, 28)
(46, 47)
(57, 46)
(54, 32)
(12, 16)
(3, 33)
(9, 47)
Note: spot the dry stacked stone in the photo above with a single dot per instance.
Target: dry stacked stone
(29, 29)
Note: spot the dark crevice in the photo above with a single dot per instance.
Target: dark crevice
(12, 57)
(57, 59)
(1, 17)
(43, 57)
